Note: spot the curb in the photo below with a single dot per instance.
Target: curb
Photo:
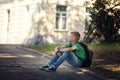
(88, 72)
(34, 51)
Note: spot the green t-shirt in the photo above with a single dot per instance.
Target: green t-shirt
(80, 52)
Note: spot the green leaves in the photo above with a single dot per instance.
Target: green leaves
(106, 18)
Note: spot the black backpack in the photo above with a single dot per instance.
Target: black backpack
(89, 56)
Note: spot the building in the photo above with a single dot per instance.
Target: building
(43, 21)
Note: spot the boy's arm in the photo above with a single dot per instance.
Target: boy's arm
(68, 49)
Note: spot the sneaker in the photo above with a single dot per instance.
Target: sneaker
(50, 69)
(44, 66)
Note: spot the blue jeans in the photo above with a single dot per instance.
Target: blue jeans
(69, 56)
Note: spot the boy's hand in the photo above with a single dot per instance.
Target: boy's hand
(56, 49)
(59, 54)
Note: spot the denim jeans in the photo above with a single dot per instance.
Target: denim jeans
(69, 56)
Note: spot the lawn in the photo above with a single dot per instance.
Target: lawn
(106, 57)
(45, 48)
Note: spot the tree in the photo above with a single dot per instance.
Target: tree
(106, 19)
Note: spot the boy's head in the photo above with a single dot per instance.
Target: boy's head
(74, 36)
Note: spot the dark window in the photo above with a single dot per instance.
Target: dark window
(61, 17)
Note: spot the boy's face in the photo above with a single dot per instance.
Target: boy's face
(71, 38)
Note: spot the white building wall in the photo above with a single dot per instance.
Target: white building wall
(19, 26)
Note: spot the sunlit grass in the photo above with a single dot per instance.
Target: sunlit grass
(114, 67)
(45, 48)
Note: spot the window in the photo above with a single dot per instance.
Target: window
(61, 17)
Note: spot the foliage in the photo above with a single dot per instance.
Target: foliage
(106, 18)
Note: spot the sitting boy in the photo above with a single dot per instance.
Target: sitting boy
(73, 52)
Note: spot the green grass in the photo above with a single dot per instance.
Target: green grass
(45, 48)
(106, 57)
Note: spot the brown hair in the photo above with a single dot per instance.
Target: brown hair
(76, 34)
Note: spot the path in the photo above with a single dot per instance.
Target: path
(21, 64)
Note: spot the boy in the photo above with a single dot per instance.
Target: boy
(73, 52)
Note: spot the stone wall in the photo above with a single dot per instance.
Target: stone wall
(17, 21)
(75, 21)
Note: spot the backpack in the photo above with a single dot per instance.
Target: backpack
(89, 55)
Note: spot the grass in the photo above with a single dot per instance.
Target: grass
(106, 57)
(45, 48)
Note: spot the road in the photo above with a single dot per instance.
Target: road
(20, 64)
